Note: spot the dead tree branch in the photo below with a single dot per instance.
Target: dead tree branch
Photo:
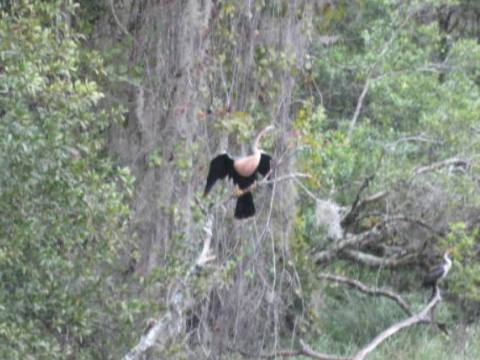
(355, 208)
(377, 261)
(358, 108)
(423, 316)
(308, 192)
(367, 237)
(369, 290)
(359, 204)
(414, 221)
(150, 338)
(369, 78)
(440, 164)
(373, 198)
(167, 325)
(205, 256)
(304, 350)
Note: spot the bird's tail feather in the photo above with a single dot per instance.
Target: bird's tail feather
(245, 207)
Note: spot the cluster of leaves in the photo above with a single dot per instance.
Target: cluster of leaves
(331, 157)
(63, 213)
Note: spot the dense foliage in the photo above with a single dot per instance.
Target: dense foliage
(417, 109)
(62, 211)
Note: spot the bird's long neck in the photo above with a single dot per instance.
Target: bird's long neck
(448, 262)
(256, 143)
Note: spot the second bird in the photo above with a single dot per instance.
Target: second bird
(243, 171)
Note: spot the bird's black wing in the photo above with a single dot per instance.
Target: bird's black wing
(220, 167)
(265, 164)
(431, 278)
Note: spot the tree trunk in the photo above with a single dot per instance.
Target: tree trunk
(185, 95)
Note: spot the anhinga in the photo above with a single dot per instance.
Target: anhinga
(438, 273)
(243, 171)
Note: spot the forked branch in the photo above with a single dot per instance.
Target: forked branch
(424, 316)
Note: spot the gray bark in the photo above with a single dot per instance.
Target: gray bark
(176, 111)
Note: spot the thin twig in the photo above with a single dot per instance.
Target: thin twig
(369, 76)
(308, 192)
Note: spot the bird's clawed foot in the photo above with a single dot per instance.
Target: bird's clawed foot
(237, 191)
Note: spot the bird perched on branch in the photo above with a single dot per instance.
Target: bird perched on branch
(438, 273)
(243, 171)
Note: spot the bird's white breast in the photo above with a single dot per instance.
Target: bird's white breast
(246, 166)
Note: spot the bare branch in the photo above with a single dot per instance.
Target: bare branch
(370, 71)
(149, 339)
(357, 205)
(305, 350)
(370, 290)
(167, 325)
(308, 192)
(373, 198)
(439, 164)
(205, 255)
(422, 317)
(367, 237)
(377, 261)
(414, 138)
(265, 181)
(284, 177)
(277, 354)
(415, 221)
(358, 108)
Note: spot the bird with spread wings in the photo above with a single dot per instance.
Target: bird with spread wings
(243, 172)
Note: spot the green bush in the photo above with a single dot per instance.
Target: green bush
(62, 204)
